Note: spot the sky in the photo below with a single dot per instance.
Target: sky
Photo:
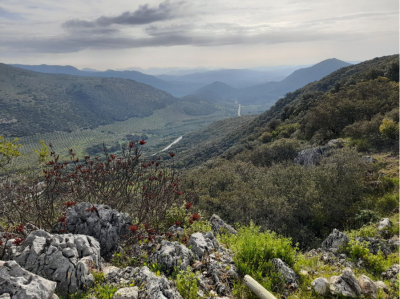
(104, 34)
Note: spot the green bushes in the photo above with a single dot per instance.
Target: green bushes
(186, 283)
(254, 251)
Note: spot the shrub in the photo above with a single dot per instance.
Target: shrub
(8, 150)
(186, 283)
(389, 128)
(254, 251)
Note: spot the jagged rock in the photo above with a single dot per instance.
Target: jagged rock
(320, 286)
(374, 245)
(202, 243)
(394, 244)
(392, 273)
(381, 285)
(309, 156)
(109, 270)
(108, 226)
(150, 285)
(176, 230)
(127, 293)
(384, 227)
(286, 272)
(335, 241)
(17, 283)
(368, 287)
(172, 255)
(368, 159)
(64, 259)
(218, 225)
(5, 296)
(345, 285)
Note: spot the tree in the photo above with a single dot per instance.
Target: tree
(8, 150)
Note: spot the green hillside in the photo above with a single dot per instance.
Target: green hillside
(36, 103)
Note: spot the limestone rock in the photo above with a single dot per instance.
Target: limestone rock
(381, 285)
(368, 287)
(320, 286)
(385, 223)
(202, 243)
(374, 245)
(150, 285)
(335, 240)
(64, 259)
(172, 255)
(106, 225)
(218, 225)
(127, 293)
(345, 285)
(286, 272)
(17, 283)
(392, 273)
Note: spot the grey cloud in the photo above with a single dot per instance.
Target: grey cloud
(143, 15)
(9, 15)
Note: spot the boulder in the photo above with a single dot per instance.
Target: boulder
(384, 224)
(368, 159)
(335, 241)
(374, 245)
(345, 285)
(64, 259)
(392, 273)
(202, 243)
(368, 287)
(17, 283)
(394, 244)
(108, 226)
(176, 230)
(150, 285)
(286, 272)
(309, 156)
(127, 293)
(320, 286)
(380, 285)
(219, 226)
(172, 255)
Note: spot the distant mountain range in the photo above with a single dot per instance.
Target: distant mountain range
(177, 89)
(269, 92)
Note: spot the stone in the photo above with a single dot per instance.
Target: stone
(127, 293)
(320, 286)
(368, 287)
(106, 225)
(176, 230)
(309, 156)
(374, 245)
(172, 255)
(368, 159)
(394, 244)
(345, 285)
(150, 285)
(392, 273)
(64, 259)
(109, 271)
(335, 241)
(384, 227)
(202, 243)
(18, 283)
(286, 272)
(380, 285)
(219, 226)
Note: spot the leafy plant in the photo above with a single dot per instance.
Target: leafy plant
(186, 283)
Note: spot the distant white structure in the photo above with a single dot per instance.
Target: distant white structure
(240, 110)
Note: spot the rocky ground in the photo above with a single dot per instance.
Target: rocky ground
(85, 252)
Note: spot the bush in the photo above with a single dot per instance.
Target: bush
(186, 283)
(254, 251)
(361, 145)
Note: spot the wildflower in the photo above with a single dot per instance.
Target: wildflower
(179, 193)
(131, 144)
(91, 209)
(196, 217)
(172, 155)
(188, 205)
(151, 231)
(146, 226)
(62, 219)
(142, 142)
(69, 203)
(177, 223)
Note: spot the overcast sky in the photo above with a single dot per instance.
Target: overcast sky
(112, 34)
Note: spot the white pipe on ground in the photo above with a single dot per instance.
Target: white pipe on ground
(257, 289)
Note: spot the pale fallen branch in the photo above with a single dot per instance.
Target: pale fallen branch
(257, 289)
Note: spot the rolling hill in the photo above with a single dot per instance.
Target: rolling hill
(34, 102)
(177, 89)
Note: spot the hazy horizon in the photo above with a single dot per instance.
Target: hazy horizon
(189, 34)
